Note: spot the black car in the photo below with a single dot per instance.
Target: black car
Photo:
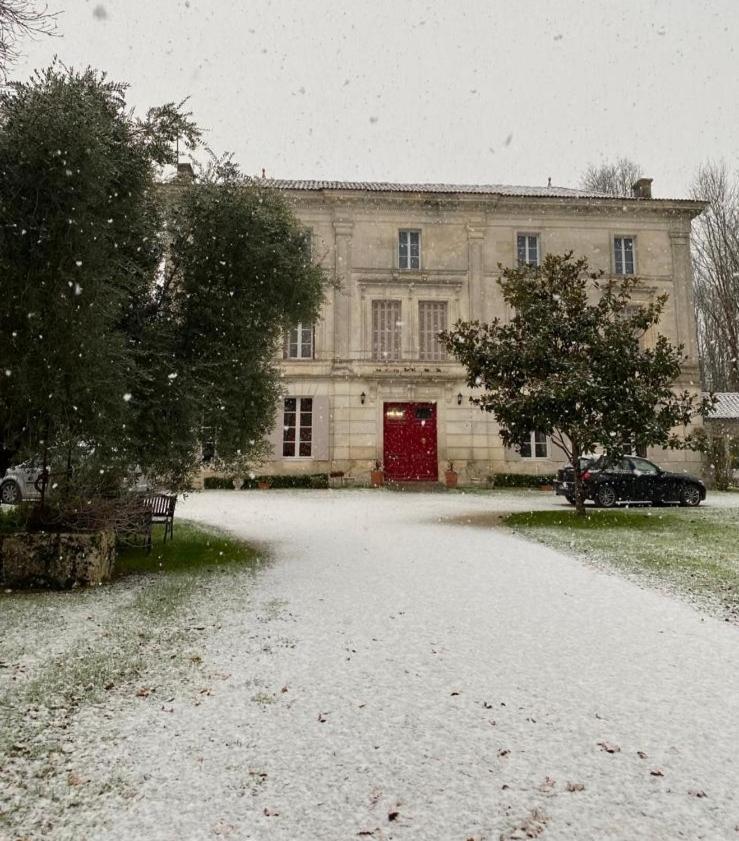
(630, 479)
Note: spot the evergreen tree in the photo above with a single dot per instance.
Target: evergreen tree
(575, 368)
(239, 273)
(128, 321)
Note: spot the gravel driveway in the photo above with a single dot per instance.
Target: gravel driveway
(394, 675)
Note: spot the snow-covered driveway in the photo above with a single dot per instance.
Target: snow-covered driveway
(398, 676)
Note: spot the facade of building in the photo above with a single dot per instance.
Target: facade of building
(369, 381)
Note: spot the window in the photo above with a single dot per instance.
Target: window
(527, 247)
(299, 342)
(297, 429)
(432, 319)
(386, 327)
(635, 450)
(623, 255)
(643, 466)
(207, 444)
(536, 446)
(409, 249)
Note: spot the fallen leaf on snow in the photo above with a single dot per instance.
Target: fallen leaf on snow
(657, 772)
(270, 813)
(609, 747)
(532, 826)
(392, 816)
(696, 792)
(641, 754)
(575, 787)
(143, 692)
(74, 779)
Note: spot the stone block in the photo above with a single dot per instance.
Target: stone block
(58, 561)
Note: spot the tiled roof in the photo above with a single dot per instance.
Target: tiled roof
(727, 406)
(478, 189)
(394, 187)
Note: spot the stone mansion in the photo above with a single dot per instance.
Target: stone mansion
(369, 382)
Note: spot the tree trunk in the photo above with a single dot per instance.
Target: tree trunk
(579, 489)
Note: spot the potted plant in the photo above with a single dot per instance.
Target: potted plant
(450, 476)
(377, 476)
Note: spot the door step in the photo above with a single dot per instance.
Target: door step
(415, 487)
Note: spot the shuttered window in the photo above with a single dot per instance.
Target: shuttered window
(432, 319)
(299, 342)
(386, 330)
(297, 429)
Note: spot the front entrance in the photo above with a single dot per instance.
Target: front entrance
(410, 442)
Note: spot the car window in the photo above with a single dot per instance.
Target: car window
(644, 466)
(621, 466)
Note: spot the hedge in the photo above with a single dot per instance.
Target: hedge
(312, 480)
(520, 480)
(218, 483)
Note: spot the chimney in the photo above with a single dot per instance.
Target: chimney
(642, 189)
(184, 172)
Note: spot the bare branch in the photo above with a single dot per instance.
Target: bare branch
(21, 19)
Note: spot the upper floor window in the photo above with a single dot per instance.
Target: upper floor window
(409, 249)
(299, 342)
(535, 446)
(386, 330)
(623, 255)
(297, 429)
(432, 319)
(527, 248)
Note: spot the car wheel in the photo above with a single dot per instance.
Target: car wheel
(605, 496)
(570, 499)
(690, 495)
(10, 493)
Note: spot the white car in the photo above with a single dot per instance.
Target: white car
(20, 483)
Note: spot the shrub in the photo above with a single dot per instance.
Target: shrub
(312, 480)
(520, 480)
(218, 483)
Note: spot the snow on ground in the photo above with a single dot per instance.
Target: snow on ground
(394, 676)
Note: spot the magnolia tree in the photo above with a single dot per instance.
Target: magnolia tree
(571, 364)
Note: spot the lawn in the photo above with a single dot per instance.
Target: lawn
(70, 656)
(692, 552)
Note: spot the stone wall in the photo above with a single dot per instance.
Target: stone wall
(57, 561)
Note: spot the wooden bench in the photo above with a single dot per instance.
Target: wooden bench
(161, 507)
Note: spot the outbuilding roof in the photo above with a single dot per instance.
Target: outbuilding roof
(727, 407)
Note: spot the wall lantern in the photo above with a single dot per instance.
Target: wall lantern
(459, 399)
(362, 398)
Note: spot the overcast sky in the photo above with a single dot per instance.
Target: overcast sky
(465, 91)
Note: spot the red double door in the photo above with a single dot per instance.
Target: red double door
(410, 442)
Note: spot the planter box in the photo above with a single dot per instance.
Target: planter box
(56, 561)
(451, 477)
(377, 478)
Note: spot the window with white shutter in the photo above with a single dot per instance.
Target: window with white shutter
(432, 319)
(386, 330)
